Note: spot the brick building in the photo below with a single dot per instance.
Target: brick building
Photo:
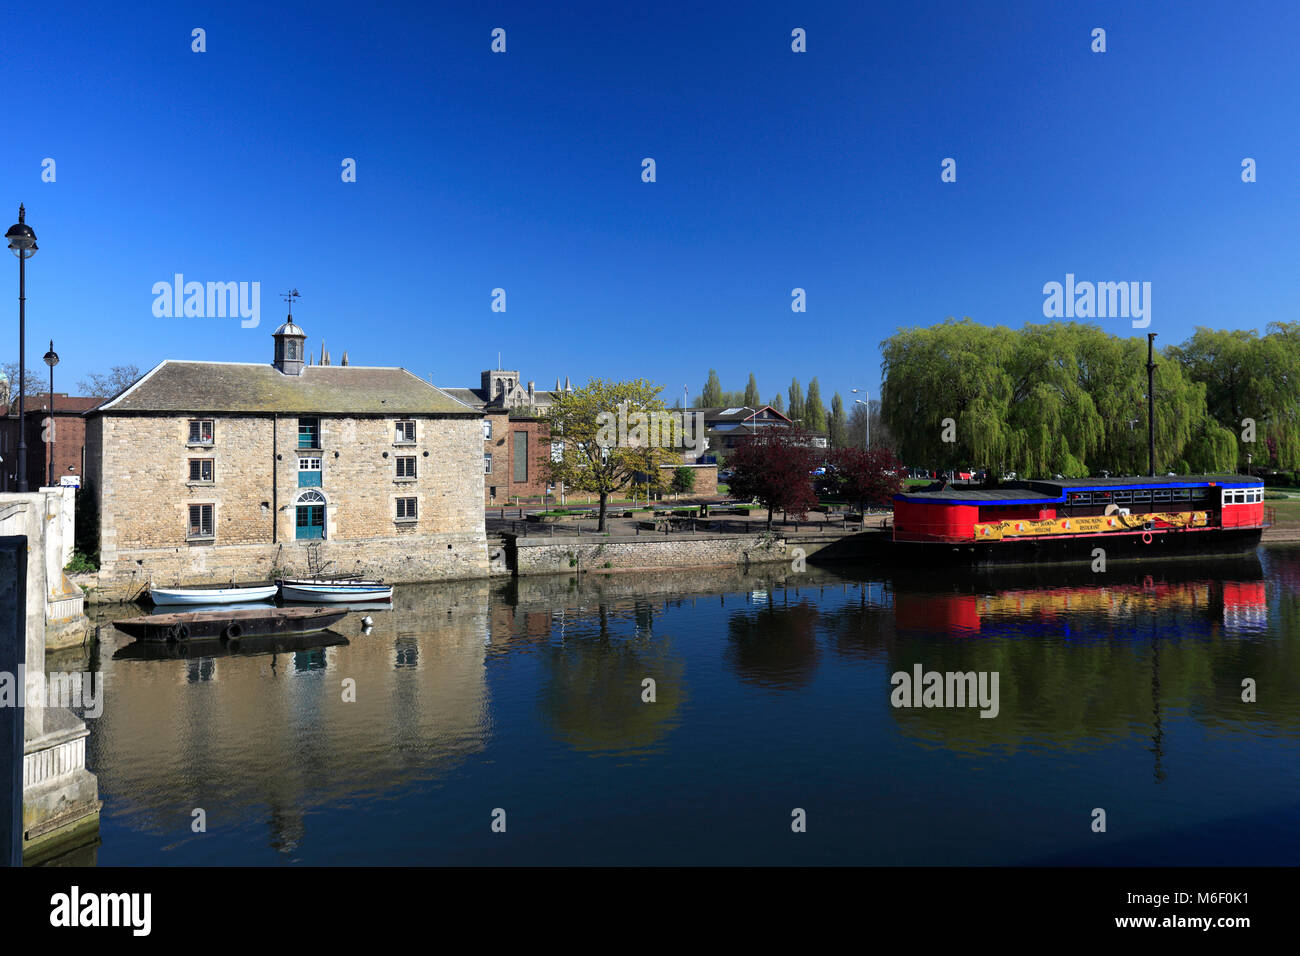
(65, 443)
(515, 453)
(516, 438)
(207, 472)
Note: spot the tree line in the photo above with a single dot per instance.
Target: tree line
(844, 426)
(1070, 399)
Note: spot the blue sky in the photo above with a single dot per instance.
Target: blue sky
(522, 171)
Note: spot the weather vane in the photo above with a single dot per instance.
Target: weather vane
(289, 297)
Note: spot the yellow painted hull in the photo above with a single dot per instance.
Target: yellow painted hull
(1093, 524)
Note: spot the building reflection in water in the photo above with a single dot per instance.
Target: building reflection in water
(454, 668)
(271, 730)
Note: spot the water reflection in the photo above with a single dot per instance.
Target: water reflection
(535, 692)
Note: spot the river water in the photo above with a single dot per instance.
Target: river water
(523, 703)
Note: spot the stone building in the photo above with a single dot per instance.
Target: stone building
(210, 472)
(500, 389)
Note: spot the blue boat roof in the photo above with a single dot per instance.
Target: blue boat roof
(1055, 491)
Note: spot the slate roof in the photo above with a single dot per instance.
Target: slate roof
(211, 387)
(737, 414)
(63, 404)
(478, 397)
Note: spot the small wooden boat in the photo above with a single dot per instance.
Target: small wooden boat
(246, 647)
(261, 592)
(334, 590)
(231, 624)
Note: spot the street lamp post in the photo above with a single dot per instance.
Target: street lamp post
(859, 401)
(51, 359)
(22, 242)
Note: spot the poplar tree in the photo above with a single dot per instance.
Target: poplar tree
(711, 397)
(814, 411)
(796, 401)
(838, 426)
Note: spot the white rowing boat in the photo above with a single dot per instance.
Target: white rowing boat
(325, 591)
(212, 595)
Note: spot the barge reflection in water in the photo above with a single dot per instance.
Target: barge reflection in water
(771, 692)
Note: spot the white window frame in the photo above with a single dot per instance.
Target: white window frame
(487, 429)
(487, 463)
(212, 471)
(407, 502)
(400, 429)
(414, 471)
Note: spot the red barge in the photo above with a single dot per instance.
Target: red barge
(1028, 522)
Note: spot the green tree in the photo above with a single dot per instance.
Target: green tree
(838, 425)
(607, 432)
(711, 397)
(1059, 398)
(796, 402)
(683, 480)
(778, 402)
(1249, 378)
(751, 393)
(814, 411)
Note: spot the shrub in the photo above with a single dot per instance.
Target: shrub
(82, 563)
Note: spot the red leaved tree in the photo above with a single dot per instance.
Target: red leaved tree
(775, 468)
(868, 477)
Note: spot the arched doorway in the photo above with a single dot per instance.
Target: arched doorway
(309, 515)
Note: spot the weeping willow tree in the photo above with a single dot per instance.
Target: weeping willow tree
(952, 371)
(1059, 398)
(1252, 389)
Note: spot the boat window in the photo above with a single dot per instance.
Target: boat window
(1162, 494)
(1199, 493)
(1182, 494)
(1123, 496)
(1080, 498)
(1141, 496)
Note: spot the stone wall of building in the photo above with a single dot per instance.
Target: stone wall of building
(138, 467)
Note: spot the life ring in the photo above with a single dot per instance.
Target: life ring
(1146, 537)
